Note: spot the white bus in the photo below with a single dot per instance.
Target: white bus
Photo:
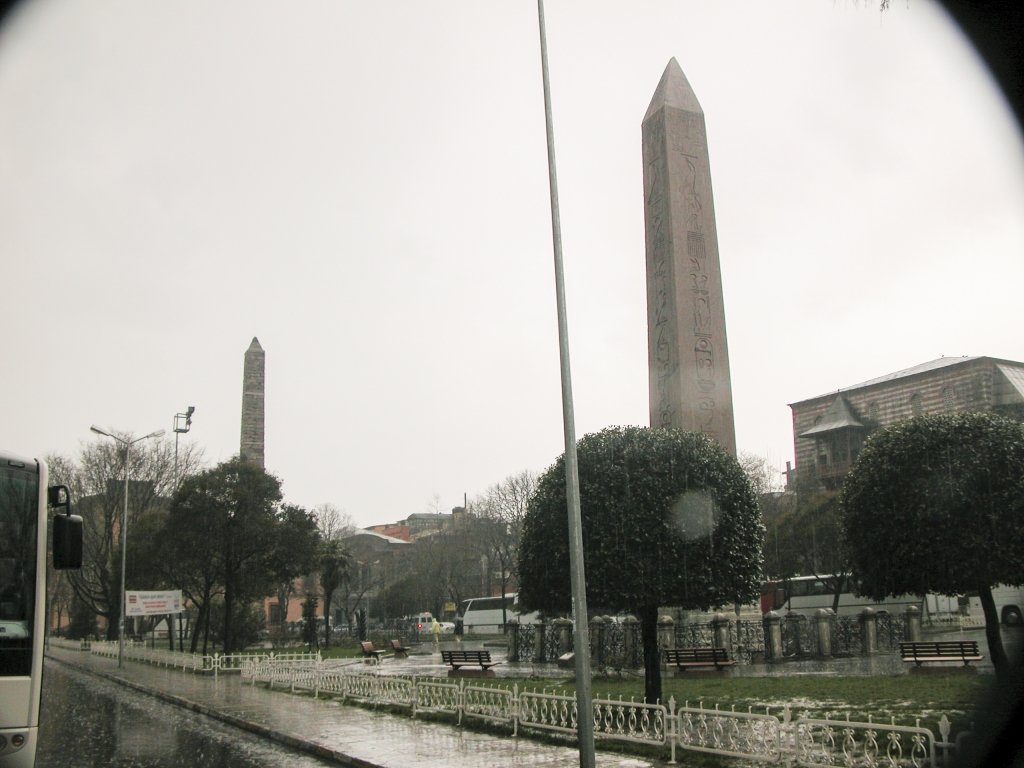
(806, 594)
(23, 501)
(483, 615)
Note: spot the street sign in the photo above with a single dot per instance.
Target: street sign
(153, 603)
(449, 607)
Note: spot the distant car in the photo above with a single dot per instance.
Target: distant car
(447, 628)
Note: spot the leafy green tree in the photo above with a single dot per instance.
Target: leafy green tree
(244, 542)
(669, 518)
(936, 504)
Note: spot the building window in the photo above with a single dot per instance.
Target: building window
(949, 399)
(873, 412)
(916, 406)
(817, 420)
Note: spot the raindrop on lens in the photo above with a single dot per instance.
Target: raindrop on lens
(695, 515)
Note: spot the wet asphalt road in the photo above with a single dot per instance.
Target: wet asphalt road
(86, 721)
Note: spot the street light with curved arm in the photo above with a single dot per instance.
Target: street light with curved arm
(124, 529)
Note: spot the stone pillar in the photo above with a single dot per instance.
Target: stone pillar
(538, 642)
(913, 624)
(564, 629)
(772, 623)
(251, 448)
(666, 633)
(720, 631)
(513, 639)
(868, 632)
(596, 625)
(630, 638)
(823, 633)
(688, 359)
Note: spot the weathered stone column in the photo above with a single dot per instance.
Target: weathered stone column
(868, 632)
(630, 636)
(596, 625)
(823, 633)
(564, 629)
(666, 633)
(538, 642)
(913, 624)
(772, 623)
(720, 631)
(513, 639)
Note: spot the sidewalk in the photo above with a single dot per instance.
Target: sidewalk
(348, 735)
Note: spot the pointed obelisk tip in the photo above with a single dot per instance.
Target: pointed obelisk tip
(255, 344)
(673, 91)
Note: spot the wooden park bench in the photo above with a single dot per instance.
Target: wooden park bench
(458, 659)
(372, 653)
(401, 652)
(919, 652)
(697, 657)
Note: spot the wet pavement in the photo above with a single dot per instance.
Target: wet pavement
(370, 738)
(88, 722)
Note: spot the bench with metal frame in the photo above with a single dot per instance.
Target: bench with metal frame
(457, 659)
(919, 651)
(401, 652)
(697, 657)
(372, 653)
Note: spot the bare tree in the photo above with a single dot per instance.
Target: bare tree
(333, 523)
(764, 476)
(96, 479)
(501, 510)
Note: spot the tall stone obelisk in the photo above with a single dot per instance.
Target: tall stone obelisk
(252, 403)
(687, 351)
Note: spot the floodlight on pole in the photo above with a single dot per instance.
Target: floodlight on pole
(182, 424)
(124, 529)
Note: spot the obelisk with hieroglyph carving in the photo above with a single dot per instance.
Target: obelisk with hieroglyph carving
(688, 356)
(253, 382)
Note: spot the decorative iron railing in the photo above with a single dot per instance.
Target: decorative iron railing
(769, 738)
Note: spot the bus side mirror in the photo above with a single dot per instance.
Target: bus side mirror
(67, 529)
(67, 541)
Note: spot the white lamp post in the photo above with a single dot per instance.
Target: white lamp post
(124, 530)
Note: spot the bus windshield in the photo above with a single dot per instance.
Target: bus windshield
(19, 500)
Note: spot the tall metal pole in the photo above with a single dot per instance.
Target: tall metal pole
(581, 636)
(124, 558)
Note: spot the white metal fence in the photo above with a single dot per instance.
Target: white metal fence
(770, 738)
(197, 662)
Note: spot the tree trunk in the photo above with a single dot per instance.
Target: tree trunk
(229, 588)
(170, 629)
(837, 590)
(206, 632)
(995, 639)
(652, 658)
(327, 619)
(203, 608)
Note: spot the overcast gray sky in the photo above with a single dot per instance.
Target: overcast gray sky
(363, 187)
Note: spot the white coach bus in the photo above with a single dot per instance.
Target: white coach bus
(23, 501)
(484, 616)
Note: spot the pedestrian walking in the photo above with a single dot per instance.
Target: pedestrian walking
(435, 630)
